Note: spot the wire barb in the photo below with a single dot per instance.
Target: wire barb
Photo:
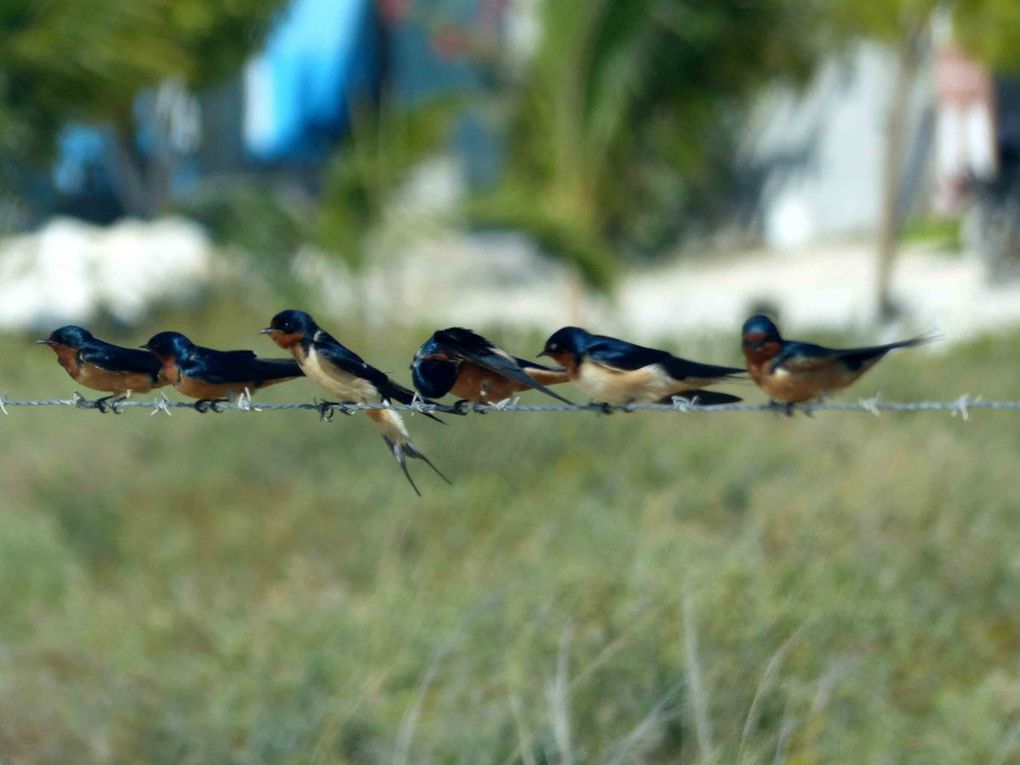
(961, 407)
(160, 403)
(871, 405)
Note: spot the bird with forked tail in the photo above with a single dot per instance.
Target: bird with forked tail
(213, 376)
(791, 372)
(347, 376)
(103, 366)
(616, 372)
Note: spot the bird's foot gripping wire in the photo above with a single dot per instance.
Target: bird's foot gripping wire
(204, 405)
(783, 408)
(328, 408)
(464, 406)
(109, 403)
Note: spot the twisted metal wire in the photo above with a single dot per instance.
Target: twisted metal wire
(959, 407)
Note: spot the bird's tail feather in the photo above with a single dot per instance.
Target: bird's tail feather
(394, 432)
(268, 372)
(863, 358)
(919, 340)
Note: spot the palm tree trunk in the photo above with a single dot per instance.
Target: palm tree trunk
(909, 56)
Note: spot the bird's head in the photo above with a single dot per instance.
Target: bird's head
(71, 336)
(566, 345)
(169, 346)
(290, 327)
(760, 336)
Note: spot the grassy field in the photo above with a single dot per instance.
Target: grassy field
(636, 588)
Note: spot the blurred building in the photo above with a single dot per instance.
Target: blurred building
(819, 152)
(817, 155)
(288, 109)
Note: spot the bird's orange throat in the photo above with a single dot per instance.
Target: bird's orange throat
(289, 341)
(758, 358)
(566, 360)
(171, 371)
(66, 357)
(766, 350)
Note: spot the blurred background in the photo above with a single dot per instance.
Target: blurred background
(633, 588)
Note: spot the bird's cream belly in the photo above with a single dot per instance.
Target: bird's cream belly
(343, 385)
(646, 384)
(795, 387)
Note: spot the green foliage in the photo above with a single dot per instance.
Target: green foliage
(888, 21)
(621, 89)
(264, 225)
(72, 59)
(990, 29)
(360, 181)
(265, 588)
(942, 233)
(362, 177)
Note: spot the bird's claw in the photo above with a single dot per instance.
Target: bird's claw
(204, 405)
(778, 406)
(108, 404)
(328, 408)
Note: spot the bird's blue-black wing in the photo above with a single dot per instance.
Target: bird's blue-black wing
(620, 354)
(796, 357)
(264, 370)
(472, 347)
(347, 360)
(114, 358)
(220, 367)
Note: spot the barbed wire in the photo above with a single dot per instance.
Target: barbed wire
(959, 407)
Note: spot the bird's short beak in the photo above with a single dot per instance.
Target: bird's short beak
(145, 347)
(47, 341)
(267, 331)
(543, 353)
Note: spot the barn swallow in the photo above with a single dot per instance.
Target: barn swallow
(212, 376)
(617, 372)
(103, 366)
(346, 375)
(791, 372)
(464, 363)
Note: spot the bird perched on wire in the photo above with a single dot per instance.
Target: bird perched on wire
(616, 372)
(347, 376)
(462, 362)
(791, 372)
(213, 376)
(103, 366)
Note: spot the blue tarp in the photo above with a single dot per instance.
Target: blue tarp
(321, 58)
